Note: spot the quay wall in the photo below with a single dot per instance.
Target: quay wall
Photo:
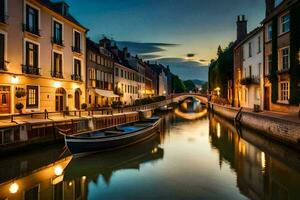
(278, 129)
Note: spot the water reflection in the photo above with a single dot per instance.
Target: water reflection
(190, 109)
(266, 171)
(189, 159)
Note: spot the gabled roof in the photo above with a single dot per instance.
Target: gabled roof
(282, 7)
(249, 36)
(55, 7)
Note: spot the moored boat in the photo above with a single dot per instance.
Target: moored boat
(113, 138)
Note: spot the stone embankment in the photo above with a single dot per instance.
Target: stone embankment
(280, 128)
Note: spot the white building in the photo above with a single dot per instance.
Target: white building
(252, 76)
(125, 84)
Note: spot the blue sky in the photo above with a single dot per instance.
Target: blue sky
(182, 33)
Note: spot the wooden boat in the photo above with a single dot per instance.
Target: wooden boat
(113, 138)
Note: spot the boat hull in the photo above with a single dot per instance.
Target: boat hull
(79, 146)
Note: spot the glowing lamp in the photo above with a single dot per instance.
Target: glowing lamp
(13, 188)
(14, 79)
(83, 178)
(57, 84)
(58, 170)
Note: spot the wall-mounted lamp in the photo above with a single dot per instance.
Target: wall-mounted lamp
(14, 79)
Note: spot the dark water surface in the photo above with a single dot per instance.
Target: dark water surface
(191, 158)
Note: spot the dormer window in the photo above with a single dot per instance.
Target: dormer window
(32, 20)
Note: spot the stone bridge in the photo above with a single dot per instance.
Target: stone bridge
(182, 96)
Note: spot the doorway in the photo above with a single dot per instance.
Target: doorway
(4, 99)
(77, 99)
(60, 99)
(267, 98)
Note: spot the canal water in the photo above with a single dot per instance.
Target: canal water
(196, 155)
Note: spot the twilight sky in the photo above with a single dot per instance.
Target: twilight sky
(184, 34)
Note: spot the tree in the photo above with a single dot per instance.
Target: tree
(178, 85)
(189, 85)
(221, 70)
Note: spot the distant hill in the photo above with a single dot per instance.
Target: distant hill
(198, 82)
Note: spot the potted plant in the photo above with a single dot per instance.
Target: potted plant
(20, 93)
(84, 106)
(19, 107)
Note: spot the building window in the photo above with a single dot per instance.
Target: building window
(57, 33)
(90, 99)
(259, 45)
(122, 73)
(32, 20)
(2, 11)
(77, 42)
(268, 65)
(117, 71)
(57, 65)
(77, 70)
(250, 49)
(2, 52)
(284, 93)
(32, 96)
(32, 194)
(284, 59)
(270, 31)
(31, 58)
(285, 23)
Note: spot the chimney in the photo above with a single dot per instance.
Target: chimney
(105, 43)
(125, 52)
(270, 5)
(241, 27)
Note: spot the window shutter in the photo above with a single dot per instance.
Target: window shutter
(36, 17)
(2, 47)
(27, 54)
(36, 55)
(60, 63)
(2, 11)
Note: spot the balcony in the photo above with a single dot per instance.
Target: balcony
(30, 70)
(58, 42)
(3, 65)
(76, 49)
(56, 74)
(250, 80)
(31, 29)
(283, 70)
(76, 77)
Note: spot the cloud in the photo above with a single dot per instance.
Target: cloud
(191, 55)
(186, 69)
(144, 47)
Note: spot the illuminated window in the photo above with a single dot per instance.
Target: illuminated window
(284, 93)
(32, 96)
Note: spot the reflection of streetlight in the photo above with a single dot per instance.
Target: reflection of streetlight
(13, 188)
(217, 89)
(218, 130)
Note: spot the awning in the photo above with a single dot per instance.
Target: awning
(106, 93)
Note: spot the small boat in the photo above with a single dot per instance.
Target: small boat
(112, 138)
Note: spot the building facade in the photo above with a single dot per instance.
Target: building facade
(252, 70)
(281, 55)
(100, 69)
(126, 85)
(42, 57)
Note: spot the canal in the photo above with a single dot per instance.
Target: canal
(196, 155)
